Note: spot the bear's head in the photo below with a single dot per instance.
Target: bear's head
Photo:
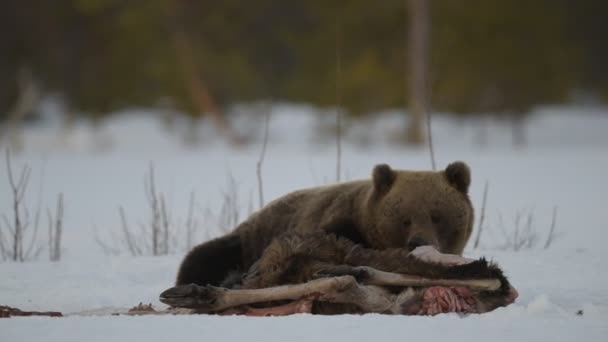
(415, 208)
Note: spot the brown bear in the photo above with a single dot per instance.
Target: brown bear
(364, 222)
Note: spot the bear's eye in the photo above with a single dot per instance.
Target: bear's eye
(435, 218)
(407, 222)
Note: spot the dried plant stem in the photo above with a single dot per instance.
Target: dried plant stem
(159, 236)
(20, 214)
(55, 230)
(190, 222)
(429, 134)
(552, 233)
(150, 189)
(482, 215)
(261, 159)
(131, 243)
(338, 102)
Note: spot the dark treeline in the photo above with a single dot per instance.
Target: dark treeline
(486, 56)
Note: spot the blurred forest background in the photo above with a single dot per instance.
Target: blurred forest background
(198, 58)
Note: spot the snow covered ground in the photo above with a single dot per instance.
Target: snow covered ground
(564, 165)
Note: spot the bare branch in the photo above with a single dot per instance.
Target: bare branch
(4, 253)
(482, 215)
(530, 237)
(59, 226)
(516, 232)
(143, 245)
(33, 239)
(190, 222)
(261, 160)
(207, 218)
(8, 225)
(106, 249)
(9, 169)
(55, 230)
(51, 232)
(165, 220)
(229, 212)
(155, 237)
(24, 179)
(523, 235)
(552, 234)
(18, 189)
(150, 189)
(417, 67)
(36, 254)
(338, 101)
(250, 209)
(429, 132)
(127, 234)
(29, 254)
(38, 211)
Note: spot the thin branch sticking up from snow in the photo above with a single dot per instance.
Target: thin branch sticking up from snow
(261, 160)
(4, 253)
(20, 222)
(160, 221)
(191, 222)
(107, 249)
(229, 212)
(165, 224)
(151, 195)
(154, 238)
(161, 234)
(552, 234)
(55, 230)
(130, 241)
(338, 102)
(482, 215)
(30, 249)
(429, 132)
(523, 236)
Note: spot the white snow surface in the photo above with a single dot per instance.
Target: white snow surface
(564, 165)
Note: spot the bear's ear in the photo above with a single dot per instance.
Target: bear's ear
(383, 177)
(459, 175)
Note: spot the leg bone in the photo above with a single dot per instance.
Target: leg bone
(371, 276)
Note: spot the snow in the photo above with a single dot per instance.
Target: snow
(564, 165)
(501, 326)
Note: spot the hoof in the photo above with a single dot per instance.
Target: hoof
(191, 296)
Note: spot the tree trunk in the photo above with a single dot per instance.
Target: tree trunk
(199, 92)
(418, 43)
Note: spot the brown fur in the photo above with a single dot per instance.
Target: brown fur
(299, 258)
(369, 222)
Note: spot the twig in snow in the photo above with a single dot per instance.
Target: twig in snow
(429, 133)
(191, 222)
(482, 215)
(523, 235)
(229, 212)
(55, 230)
(107, 249)
(552, 234)
(12, 246)
(338, 103)
(129, 239)
(151, 195)
(261, 160)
